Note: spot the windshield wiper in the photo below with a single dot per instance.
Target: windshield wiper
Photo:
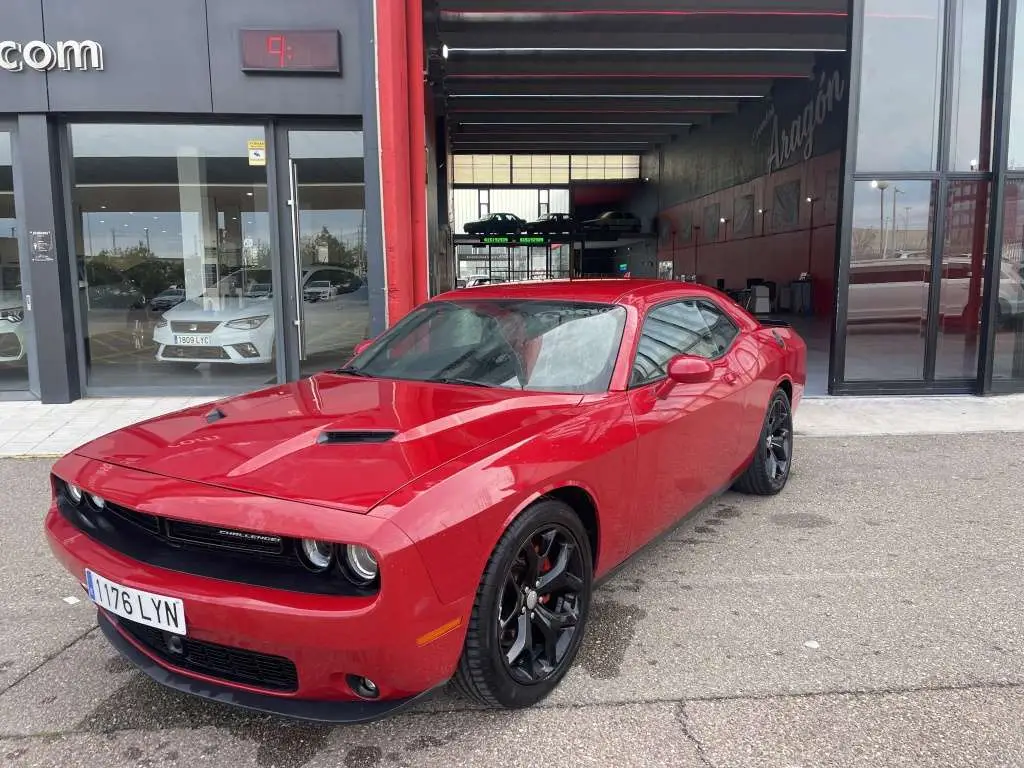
(457, 380)
(352, 372)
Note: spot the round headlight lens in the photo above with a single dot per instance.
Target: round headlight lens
(317, 553)
(98, 501)
(75, 493)
(361, 563)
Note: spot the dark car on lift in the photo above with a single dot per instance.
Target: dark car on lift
(552, 224)
(614, 221)
(495, 224)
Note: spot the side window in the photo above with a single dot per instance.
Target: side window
(669, 330)
(723, 330)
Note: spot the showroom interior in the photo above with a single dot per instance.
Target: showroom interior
(245, 214)
(782, 153)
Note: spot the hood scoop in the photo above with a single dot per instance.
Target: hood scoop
(353, 436)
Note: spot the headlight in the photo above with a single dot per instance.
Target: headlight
(97, 500)
(161, 323)
(13, 315)
(317, 554)
(75, 493)
(247, 323)
(362, 565)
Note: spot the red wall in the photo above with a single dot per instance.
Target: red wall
(779, 255)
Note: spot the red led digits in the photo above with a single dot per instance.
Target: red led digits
(277, 45)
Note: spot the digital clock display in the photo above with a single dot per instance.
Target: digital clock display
(291, 50)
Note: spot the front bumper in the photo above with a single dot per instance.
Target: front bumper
(227, 345)
(12, 342)
(392, 638)
(334, 712)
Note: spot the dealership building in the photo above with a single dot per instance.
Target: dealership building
(206, 197)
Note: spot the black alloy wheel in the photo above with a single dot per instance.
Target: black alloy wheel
(769, 468)
(778, 444)
(538, 609)
(531, 609)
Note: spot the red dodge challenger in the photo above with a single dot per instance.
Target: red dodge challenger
(437, 510)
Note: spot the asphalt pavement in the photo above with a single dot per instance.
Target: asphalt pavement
(870, 615)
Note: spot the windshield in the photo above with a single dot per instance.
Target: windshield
(251, 283)
(546, 346)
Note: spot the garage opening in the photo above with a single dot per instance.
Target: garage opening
(694, 141)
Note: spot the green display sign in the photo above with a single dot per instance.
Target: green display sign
(507, 240)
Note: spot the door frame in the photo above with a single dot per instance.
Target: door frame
(284, 262)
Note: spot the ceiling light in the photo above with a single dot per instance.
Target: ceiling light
(445, 50)
(602, 96)
(545, 124)
(531, 50)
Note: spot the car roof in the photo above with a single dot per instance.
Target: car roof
(633, 291)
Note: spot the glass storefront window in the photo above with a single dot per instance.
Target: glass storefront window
(962, 279)
(887, 299)
(1015, 156)
(898, 120)
(173, 251)
(13, 339)
(1009, 346)
(968, 56)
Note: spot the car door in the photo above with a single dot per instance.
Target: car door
(683, 430)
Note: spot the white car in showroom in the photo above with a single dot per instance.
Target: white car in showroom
(12, 326)
(233, 320)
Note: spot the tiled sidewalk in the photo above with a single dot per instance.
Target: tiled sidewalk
(33, 429)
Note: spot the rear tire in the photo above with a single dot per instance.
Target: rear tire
(768, 470)
(531, 609)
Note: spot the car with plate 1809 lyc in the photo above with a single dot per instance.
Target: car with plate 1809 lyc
(439, 509)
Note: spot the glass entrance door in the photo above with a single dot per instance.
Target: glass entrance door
(13, 336)
(327, 213)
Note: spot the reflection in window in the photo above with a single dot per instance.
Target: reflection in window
(1015, 158)
(968, 57)
(13, 338)
(1009, 347)
(962, 280)
(173, 250)
(887, 300)
(675, 329)
(899, 93)
(330, 214)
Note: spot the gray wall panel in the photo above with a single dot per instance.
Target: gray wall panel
(155, 55)
(23, 91)
(235, 91)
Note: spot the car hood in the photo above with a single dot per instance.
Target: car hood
(222, 309)
(320, 440)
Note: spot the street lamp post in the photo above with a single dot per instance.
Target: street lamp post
(881, 186)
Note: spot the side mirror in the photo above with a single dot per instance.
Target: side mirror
(361, 347)
(689, 369)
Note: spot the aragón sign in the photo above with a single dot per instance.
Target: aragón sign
(42, 57)
(798, 134)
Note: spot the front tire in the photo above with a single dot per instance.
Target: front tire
(768, 470)
(531, 609)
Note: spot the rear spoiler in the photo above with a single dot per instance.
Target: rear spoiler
(775, 323)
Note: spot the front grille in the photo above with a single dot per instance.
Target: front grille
(196, 353)
(224, 538)
(235, 665)
(247, 557)
(202, 326)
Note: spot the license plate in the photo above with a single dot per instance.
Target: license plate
(192, 341)
(167, 613)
